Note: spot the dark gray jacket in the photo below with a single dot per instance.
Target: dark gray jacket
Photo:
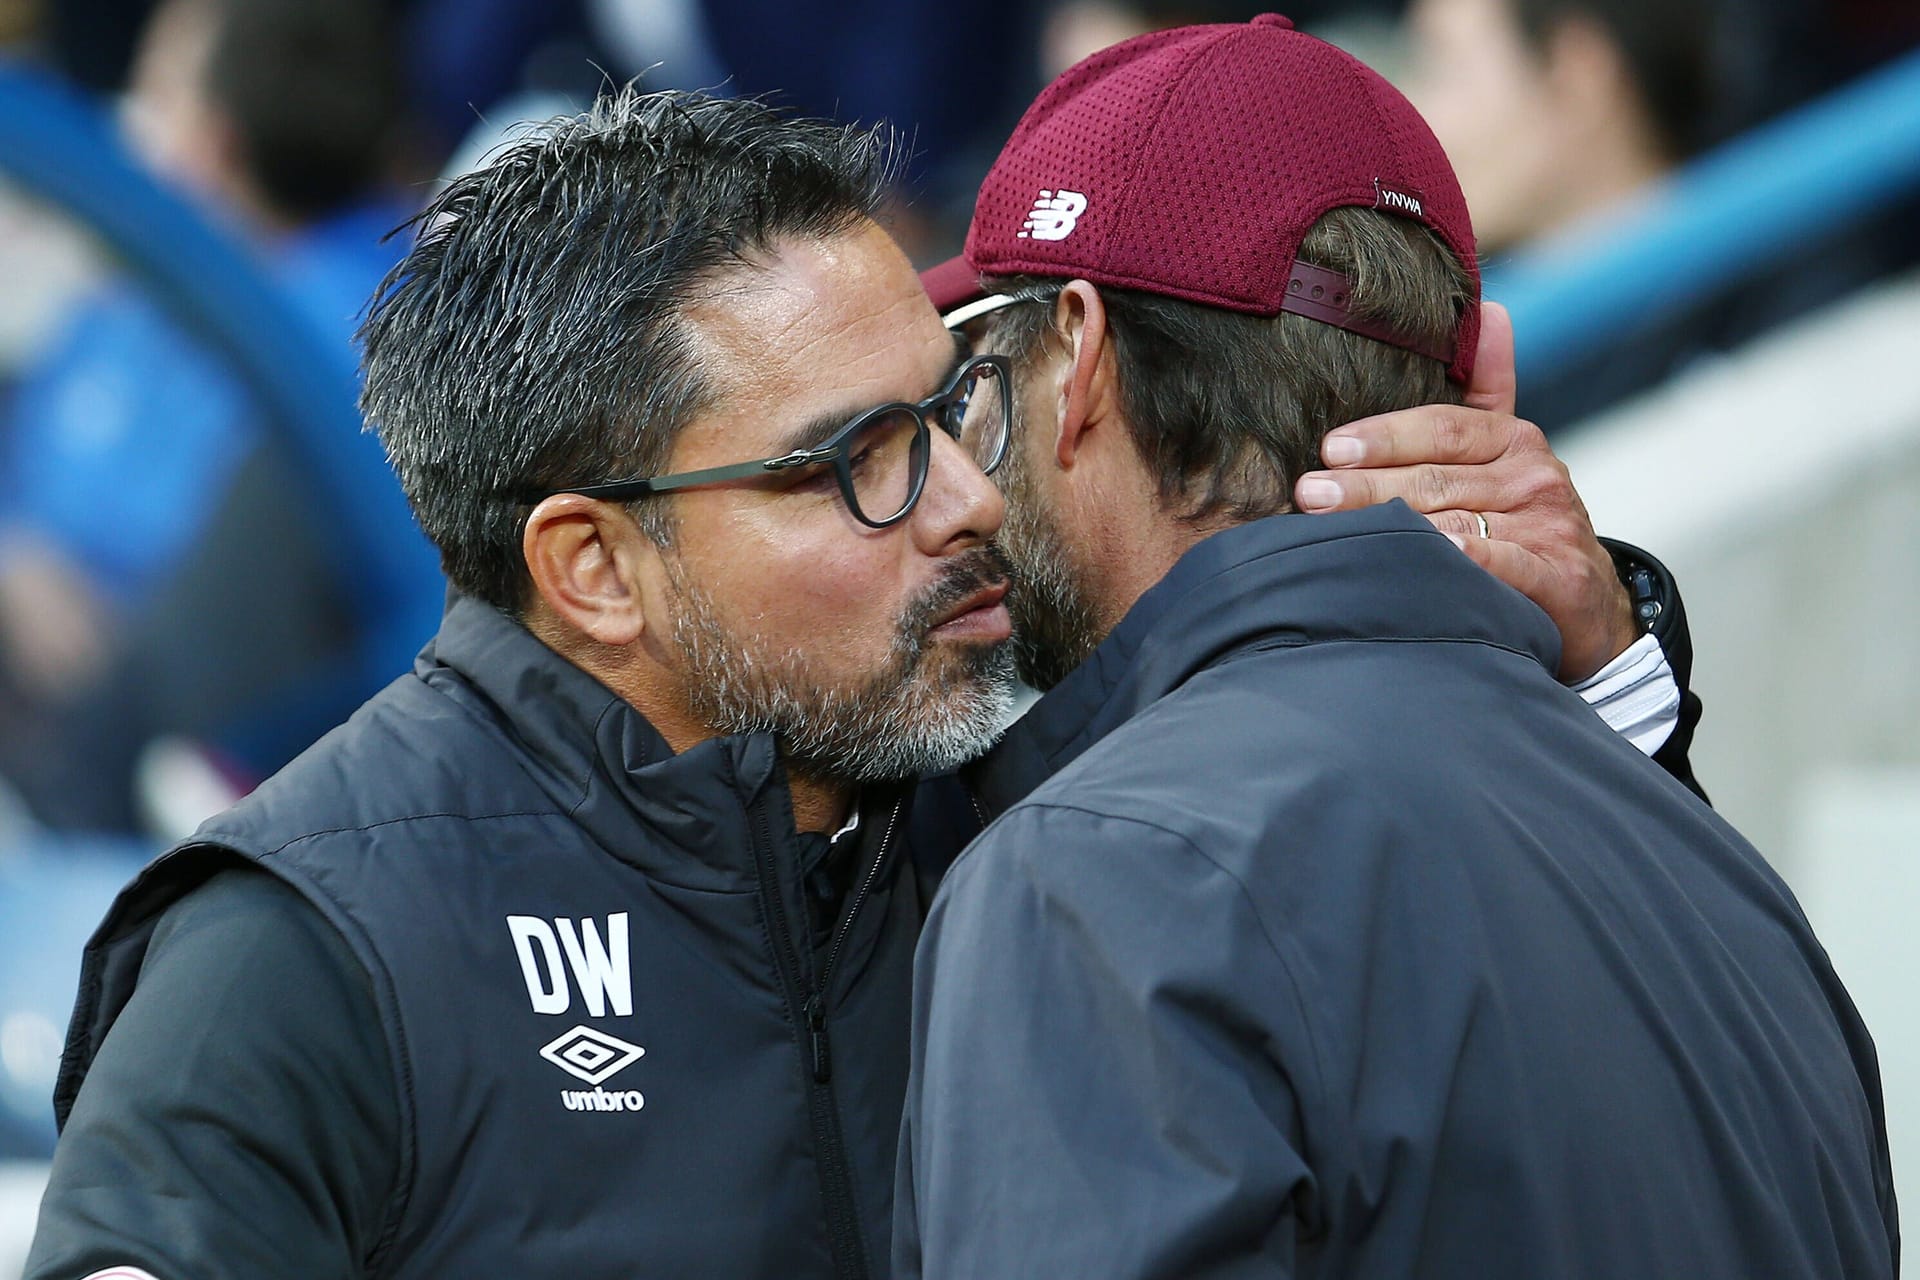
(526, 995)
(1336, 938)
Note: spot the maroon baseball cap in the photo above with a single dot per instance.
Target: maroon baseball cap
(1192, 162)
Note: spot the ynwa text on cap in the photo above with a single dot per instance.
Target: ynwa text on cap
(1395, 201)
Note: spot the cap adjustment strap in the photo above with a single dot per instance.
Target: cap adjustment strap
(1320, 294)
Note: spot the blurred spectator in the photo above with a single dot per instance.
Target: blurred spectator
(18, 19)
(44, 259)
(464, 56)
(952, 78)
(92, 42)
(1552, 109)
(47, 263)
(1557, 113)
(132, 452)
(1872, 31)
(1076, 28)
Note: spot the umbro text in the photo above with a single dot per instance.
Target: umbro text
(602, 1099)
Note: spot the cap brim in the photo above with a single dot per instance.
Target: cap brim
(952, 284)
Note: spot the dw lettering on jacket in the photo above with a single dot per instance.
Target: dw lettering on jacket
(599, 968)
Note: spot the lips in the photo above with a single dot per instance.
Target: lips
(969, 602)
(988, 597)
(980, 619)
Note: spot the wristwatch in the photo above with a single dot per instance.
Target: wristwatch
(1649, 587)
(1658, 611)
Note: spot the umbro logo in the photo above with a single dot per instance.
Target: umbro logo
(595, 1056)
(591, 1055)
(1054, 216)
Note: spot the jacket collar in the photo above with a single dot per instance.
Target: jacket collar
(605, 765)
(1379, 574)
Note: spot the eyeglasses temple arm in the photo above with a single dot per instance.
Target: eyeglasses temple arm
(706, 475)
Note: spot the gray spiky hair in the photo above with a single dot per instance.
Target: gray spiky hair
(533, 336)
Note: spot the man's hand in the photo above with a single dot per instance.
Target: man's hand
(1450, 463)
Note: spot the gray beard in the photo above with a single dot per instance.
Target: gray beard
(925, 711)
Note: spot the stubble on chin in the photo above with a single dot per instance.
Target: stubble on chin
(930, 707)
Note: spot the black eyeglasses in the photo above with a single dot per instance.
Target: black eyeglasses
(880, 458)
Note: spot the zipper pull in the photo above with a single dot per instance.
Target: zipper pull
(817, 1031)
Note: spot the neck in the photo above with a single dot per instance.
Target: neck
(820, 805)
(1128, 538)
(1143, 552)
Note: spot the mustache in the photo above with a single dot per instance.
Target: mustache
(970, 572)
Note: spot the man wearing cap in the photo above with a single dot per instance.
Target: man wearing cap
(1319, 930)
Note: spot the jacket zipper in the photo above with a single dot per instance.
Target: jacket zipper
(817, 1007)
(836, 1176)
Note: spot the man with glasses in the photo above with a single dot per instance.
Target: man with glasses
(584, 950)
(1318, 929)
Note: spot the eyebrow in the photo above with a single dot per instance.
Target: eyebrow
(816, 431)
(822, 428)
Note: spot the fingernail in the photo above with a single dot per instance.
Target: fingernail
(1457, 541)
(1317, 495)
(1342, 451)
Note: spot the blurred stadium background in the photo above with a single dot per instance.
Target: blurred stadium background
(1704, 215)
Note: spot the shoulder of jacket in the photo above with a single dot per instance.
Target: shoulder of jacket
(387, 768)
(1034, 837)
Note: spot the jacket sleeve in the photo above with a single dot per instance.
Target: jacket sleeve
(240, 1119)
(1102, 1078)
(1656, 600)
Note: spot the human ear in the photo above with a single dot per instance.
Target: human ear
(1080, 318)
(588, 560)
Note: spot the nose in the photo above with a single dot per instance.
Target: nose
(960, 507)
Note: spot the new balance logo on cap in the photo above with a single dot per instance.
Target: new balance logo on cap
(1054, 216)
